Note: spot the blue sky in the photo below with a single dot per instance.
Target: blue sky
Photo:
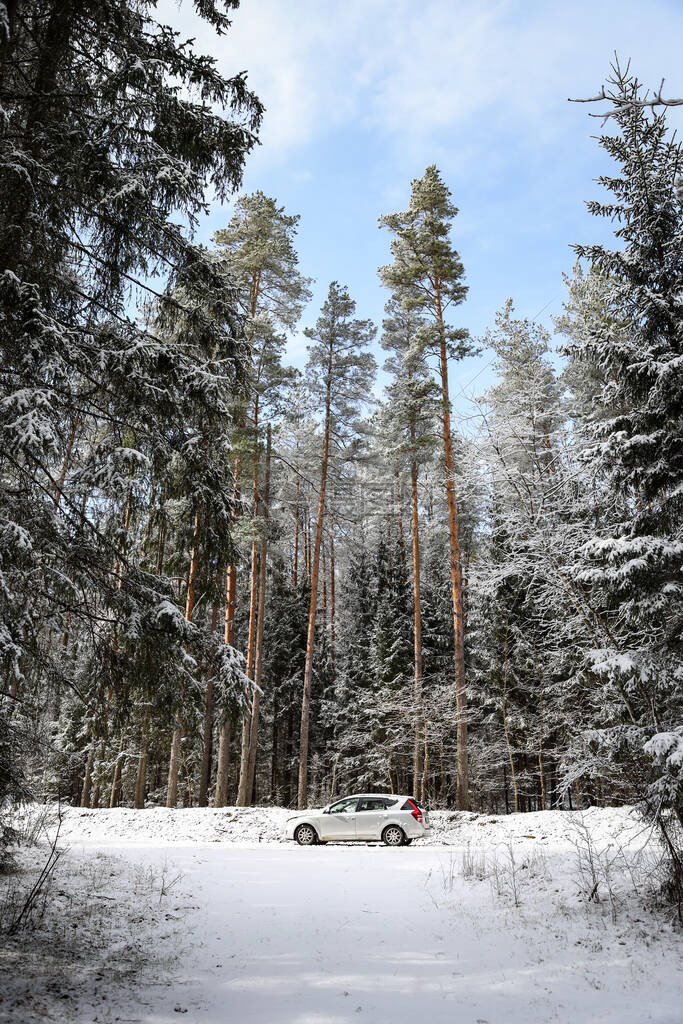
(362, 95)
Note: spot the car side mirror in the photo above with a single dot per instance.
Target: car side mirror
(326, 810)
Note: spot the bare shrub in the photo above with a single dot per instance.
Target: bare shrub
(508, 871)
(20, 909)
(612, 874)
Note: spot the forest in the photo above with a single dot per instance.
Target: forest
(227, 581)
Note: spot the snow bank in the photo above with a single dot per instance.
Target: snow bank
(255, 826)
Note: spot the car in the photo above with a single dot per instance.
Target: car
(362, 817)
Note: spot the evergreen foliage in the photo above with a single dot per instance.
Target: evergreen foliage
(631, 565)
(108, 132)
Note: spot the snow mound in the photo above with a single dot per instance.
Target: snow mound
(254, 826)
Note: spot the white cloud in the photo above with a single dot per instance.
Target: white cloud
(442, 70)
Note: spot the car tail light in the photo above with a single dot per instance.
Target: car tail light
(416, 812)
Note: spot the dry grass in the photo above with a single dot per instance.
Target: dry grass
(97, 926)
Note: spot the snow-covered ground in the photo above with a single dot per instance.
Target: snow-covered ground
(264, 825)
(489, 921)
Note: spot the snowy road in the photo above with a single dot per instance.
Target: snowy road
(282, 935)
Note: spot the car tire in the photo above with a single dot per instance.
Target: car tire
(306, 835)
(407, 842)
(393, 835)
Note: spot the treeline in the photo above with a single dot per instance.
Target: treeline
(225, 581)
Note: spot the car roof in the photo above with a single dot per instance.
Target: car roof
(385, 796)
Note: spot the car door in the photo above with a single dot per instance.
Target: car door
(370, 815)
(339, 822)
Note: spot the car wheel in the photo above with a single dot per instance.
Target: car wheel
(393, 836)
(305, 835)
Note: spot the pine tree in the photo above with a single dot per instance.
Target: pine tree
(259, 242)
(410, 424)
(340, 372)
(427, 275)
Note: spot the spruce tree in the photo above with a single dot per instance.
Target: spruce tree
(632, 565)
(112, 129)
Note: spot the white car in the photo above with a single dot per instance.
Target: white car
(393, 820)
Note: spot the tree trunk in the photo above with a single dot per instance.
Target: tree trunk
(401, 534)
(425, 766)
(333, 609)
(307, 543)
(274, 772)
(513, 776)
(462, 785)
(115, 795)
(417, 628)
(220, 798)
(258, 672)
(174, 763)
(161, 539)
(242, 792)
(223, 767)
(333, 783)
(295, 560)
(141, 777)
(541, 767)
(207, 749)
(87, 779)
(302, 791)
(98, 774)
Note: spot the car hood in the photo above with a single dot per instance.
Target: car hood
(305, 814)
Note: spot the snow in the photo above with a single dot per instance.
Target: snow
(488, 921)
(164, 826)
(667, 745)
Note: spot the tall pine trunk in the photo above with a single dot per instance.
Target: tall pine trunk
(462, 783)
(207, 750)
(141, 777)
(223, 764)
(401, 534)
(302, 791)
(506, 730)
(87, 779)
(258, 665)
(115, 794)
(174, 763)
(295, 559)
(333, 611)
(224, 736)
(417, 628)
(243, 794)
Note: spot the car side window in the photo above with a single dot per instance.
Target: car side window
(343, 806)
(372, 805)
